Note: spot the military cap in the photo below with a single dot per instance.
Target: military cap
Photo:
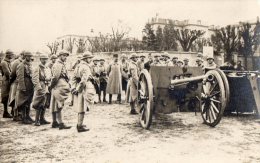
(115, 55)
(142, 56)
(27, 53)
(96, 59)
(133, 56)
(157, 55)
(174, 58)
(123, 56)
(199, 59)
(210, 58)
(165, 54)
(63, 52)
(87, 55)
(186, 60)
(199, 54)
(9, 52)
(53, 56)
(102, 60)
(179, 61)
(44, 56)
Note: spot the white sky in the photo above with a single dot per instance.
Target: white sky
(31, 24)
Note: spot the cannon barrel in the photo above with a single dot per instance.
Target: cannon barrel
(191, 79)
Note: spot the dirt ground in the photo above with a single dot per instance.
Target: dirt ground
(116, 136)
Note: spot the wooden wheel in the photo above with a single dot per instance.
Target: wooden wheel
(226, 85)
(145, 99)
(213, 100)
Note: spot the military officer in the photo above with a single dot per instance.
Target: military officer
(211, 64)
(156, 61)
(114, 84)
(167, 60)
(179, 63)
(41, 80)
(13, 89)
(133, 83)
(60, 90)
(25, 87)
(83, 89)
(95, 74)
(103, 79)
(141, 63)
(53, 60)
(6, 71)
(125, 71)
(147, 65)
(199, 62)
(174, 61)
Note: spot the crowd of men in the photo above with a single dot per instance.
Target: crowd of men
(48, 84)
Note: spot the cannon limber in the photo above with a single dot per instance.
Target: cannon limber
(173, 89)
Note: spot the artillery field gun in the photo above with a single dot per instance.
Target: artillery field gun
(172, 89)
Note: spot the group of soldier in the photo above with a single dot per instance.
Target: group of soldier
(48, 85)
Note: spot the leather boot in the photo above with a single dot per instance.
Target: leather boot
(110, 99)
(55, 124)
(104, 96)
(80, 126)
(28, 114)
(37, 117)
(42, 118)
(133, 111)
(119, 98)
(25, 120)
(63, 126)
(99, 98)
(6, 114)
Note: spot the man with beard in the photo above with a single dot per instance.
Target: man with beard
(114, 84)
(103, 79)
(211, 64)
(6, 71)
(199, 62)
(13, 90)
(156, 61)
(25, 87)
(83, 89)
(133, 84)
(60, 90)
(41, 80)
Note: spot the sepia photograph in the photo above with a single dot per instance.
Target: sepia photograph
(130, 81)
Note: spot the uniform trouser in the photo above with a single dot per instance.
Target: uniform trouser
(80, 119)
(5, 103)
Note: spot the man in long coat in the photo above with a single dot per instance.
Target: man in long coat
(83, 89)
(6, 71)
(60, 90)
(114, 84)
(133, 83)
(14, 84)
(41, 79)
(103, 79)
(25, 87)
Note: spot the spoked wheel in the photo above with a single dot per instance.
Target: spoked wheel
(213, 100)
(226, 85)
(145, 99)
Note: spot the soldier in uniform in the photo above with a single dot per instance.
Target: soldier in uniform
(211, 64)
(179, 63)
(199, 62)
(141, 63)
(167, 60)
(25, 87)
(147, 65)
(125, 71)
(174, 61)
(103, 79)
(133, 84)
(13, 90)
(156, 61)
(83, 89)
(60, 90)
(53, 60)
(41, 80)
(114, 84)
(95, 74)
(6, 71)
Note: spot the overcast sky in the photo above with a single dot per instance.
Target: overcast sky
(31, 24)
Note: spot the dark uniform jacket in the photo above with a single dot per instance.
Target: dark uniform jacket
(6, 70)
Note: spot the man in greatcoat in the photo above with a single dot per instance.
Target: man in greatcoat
(6, 71)
(41, 80)
(60, 90)
(133, 83)
(114, 84)
(13, 90)
(83, 89)
(103, 79)
(25, 87)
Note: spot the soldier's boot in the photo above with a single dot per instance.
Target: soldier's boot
(37, 117)
(42, 118)
(119, 98)
(6, 114)
(133, 111)
(28, 114)
(80, 126)
(61, 124)
(15, 117)
(104, 96)
(55, 124)
(99, 97)
(110, 99)
(24, 117)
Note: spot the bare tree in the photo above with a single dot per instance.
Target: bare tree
(118, 34)
(70, 44)
(81, 45)
(53, 47)
(186, 37)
